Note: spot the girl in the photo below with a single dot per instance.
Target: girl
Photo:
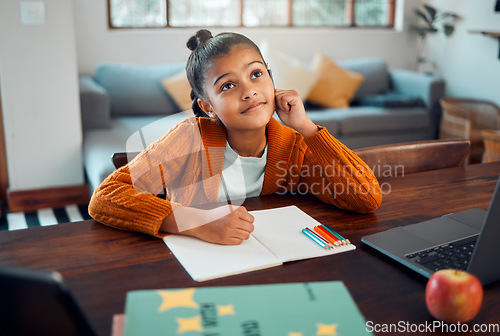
(233, 148)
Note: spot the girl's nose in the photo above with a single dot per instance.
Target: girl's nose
(249, 91)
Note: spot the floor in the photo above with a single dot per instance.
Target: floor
(43, 217)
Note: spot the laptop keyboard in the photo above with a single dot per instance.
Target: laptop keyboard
(454, 255)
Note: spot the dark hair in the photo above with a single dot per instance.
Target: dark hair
(205, 49)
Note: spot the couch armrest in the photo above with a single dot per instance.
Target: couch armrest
(428, 88)
(94, 104)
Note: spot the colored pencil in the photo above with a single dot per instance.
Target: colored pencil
(319, 237)
(317, 240)
(332, 231)
(339, 241)
(327, 236)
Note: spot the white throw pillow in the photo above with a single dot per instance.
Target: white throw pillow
(288, 72)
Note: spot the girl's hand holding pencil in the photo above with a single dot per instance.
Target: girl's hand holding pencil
(226, 225)
(231, 229)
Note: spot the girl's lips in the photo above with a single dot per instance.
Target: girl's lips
(253, 107)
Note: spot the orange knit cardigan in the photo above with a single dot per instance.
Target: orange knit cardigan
(187, 161)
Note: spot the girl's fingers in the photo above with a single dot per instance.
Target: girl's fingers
(245, 215)
(286, 99)
(238, 235)
(241, 234)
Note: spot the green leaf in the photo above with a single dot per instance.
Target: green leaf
(431, 10)
(448, 29)
(423, 16)
(451, 15)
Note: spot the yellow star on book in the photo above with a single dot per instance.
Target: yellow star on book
(225, 310)
(189, 324)
(295, 334)
(175, 299)
(327, 329)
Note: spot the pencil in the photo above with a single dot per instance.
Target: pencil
(346, 240)
(333, 233)
(317, 240)
(225, 188)
(338, 235)
(320, 237)
(327, 236)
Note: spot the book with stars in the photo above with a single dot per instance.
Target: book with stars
(294, 309)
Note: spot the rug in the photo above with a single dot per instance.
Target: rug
(43, 217)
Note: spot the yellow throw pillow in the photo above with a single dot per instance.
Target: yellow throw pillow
(179, 89)
(288, 72)
(335, 86)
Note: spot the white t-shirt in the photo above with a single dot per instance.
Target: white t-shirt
(242, 177)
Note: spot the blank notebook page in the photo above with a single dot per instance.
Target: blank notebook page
(280, 230)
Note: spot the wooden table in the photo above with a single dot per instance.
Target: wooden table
(101, 264)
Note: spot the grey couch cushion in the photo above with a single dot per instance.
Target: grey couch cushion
(370, 119)
(391, 99)
(99, 145)
(94, 104)
(325, 118)
(137, 90)
(375, 73)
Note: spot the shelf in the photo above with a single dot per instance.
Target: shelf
(494, 34)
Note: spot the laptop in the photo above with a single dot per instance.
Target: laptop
(466, 240)
(38, 303)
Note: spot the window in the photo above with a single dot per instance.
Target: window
(250, 13)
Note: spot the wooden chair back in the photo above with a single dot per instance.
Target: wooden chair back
(491, 146)
(120, 159)
(467, 118)
(390, 160)
(412, 157)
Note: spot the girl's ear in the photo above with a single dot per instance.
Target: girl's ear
(270, 72)
(205, 106)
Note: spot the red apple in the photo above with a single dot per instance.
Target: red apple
(453, 296)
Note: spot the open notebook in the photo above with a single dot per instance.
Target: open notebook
(277, 238)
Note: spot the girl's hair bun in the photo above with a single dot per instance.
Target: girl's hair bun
(198, 39)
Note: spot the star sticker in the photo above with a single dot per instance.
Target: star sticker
(189, 324)
(226, 310)
(175, 299)
(327, 329)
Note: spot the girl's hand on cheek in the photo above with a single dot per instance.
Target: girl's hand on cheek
(291, 111)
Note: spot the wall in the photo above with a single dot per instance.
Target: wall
(96, 43)
(40, 106)
(39, 67)
(469, 63)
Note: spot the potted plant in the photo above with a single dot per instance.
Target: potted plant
(432, 21)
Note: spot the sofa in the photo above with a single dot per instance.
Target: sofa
(121, 100)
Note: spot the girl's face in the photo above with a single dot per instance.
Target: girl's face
(239, 89)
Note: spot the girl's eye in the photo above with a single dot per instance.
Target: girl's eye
(256, 74)
(227, 86)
